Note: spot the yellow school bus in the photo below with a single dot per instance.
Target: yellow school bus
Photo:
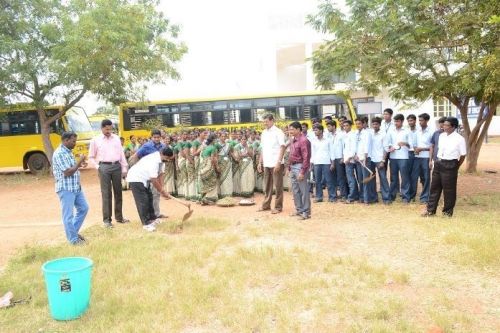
(233, 113)
(21, 140)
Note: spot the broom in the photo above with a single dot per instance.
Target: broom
(370, 177)
(190, 211)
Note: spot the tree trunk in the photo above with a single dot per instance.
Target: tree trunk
(47, 144)
(476, 138)
(472, 156)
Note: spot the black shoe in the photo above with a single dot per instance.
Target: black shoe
(332, 200)
(123, 221)
(318, 200)
(427, 214)
(80, 237)
(79, 242)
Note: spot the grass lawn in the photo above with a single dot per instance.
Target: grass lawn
(343, 271)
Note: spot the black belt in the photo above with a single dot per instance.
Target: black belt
(293, 163)
(442, 160)
(109, 163)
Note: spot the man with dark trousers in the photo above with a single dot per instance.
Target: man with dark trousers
(108, 157)
(142, 178)
(450, 156)
(299, 160)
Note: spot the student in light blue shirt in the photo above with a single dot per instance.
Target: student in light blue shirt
(349, 152)
(421, 164)
(362, 149)
(378, 157)
(412, 130)
(398, 145)
(338, 136)
(322, 158)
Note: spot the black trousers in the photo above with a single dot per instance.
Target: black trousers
(444, 179)
(143, 198)
(110, 178)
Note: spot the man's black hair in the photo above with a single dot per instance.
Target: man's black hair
(399, 116)
(296, 125)
(155, 132)
(453, 122)
(411, 116)
(389, 111)
(332, 123)
(106, 122)
(377, 120)
(167, 152)
(68, 135)
(424, 116)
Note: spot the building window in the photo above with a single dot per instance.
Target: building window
(442, 108)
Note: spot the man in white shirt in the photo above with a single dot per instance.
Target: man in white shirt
(362, 149)
(323, 160)
(451, 155)
(271, 162)
(350, 163)
(378, 157)
(141, 177)
(387, 125)
(398, 145)
(412, 130)
(421, 164)
(337, 136)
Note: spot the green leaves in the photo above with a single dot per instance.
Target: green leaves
(416, 49)
(51, 49)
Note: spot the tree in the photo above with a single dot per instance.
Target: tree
(53, 50)
(418, 50)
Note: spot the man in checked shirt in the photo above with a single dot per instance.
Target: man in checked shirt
(69, 189)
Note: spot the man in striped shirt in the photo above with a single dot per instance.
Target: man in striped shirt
(69, 189)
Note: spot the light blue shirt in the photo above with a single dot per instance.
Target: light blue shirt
(413, 137)
(387, 126)
(338, 144)
(321, 151)
(363, 143)
(393, 138)
(350, 145)
(424, 141)
(377, 150)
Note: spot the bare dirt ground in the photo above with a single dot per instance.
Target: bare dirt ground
(30, 209)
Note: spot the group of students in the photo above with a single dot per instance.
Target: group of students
(349, 159)
(205, 166)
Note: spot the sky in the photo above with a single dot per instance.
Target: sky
(232, 45)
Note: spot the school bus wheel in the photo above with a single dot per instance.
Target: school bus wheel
(38, 163)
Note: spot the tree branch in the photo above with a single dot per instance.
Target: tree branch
(67, 106)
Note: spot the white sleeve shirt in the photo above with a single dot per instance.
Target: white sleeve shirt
(322, 151)
(363, 143)
(451, 146)
(423, 141)
(148, 167)
(377, 150)
(349, 145)
(393, 138)
(271, 141)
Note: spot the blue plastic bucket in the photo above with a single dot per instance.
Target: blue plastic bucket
(68, 283)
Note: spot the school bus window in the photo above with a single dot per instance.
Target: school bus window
(264, 102)
(220, 105)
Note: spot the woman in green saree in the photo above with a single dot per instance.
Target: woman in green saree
(258, 176)
(247, 177)
(225, 166)
(208, 172)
